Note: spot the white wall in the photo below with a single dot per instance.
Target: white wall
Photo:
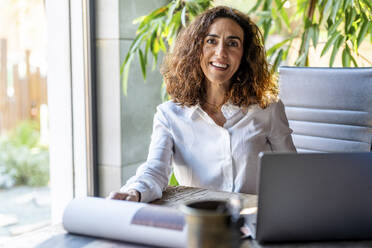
(124, 122)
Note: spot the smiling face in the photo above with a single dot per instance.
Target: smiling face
(222, 51)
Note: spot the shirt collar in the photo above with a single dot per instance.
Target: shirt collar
(228, 110)
(192, 111)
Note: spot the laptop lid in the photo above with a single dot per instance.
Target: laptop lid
(303, 197)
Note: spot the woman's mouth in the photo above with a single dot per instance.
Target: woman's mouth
(219, 66)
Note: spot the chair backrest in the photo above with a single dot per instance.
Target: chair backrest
(329, 109)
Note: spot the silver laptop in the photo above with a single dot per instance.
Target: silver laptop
(309, 197)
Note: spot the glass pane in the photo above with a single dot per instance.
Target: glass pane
(24, 157)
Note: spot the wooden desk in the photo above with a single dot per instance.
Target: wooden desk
(56, 237)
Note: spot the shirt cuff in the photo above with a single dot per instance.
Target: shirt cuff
(145, 194)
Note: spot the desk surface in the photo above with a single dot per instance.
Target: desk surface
(56, 237)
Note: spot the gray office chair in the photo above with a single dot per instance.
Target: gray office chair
(329, 109)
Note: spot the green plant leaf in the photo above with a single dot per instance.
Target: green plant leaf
(315, 36)
(305, 42)
(351, 57)
(124, 71)
(325, 11)
(156, 46)
(175, 25)
(345, 58)
(153, 15)
(282, 12)
(275, 47)
(143, 63)
(172, 8)
(350, 19)
(333, 55)
(255, 7)
(357, 5)
(173, 181)
(307, 25)
(136, 43)
(284, 15)
(152, 41)
(335, 8)
(154, 61)
(183, 16)
(346, 4)
(267, 4)
(264, 14)
(300, 61)
(139, 20)
(363, 31)
(336, 46)
(162, 45)
(333, 27)
(277, 60)
(330, 42)
(194, 8)
(369, 4)
(266, 27)
(285, 54)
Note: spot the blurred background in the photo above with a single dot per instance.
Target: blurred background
(24, 156)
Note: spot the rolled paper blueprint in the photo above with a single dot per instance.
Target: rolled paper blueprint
(126, 221)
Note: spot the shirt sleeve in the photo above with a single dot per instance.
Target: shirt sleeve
(280, 134)
(152, 176)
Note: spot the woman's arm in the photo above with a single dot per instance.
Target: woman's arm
(280, 134)
(151, 177)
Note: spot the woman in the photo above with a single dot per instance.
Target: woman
(224, 111)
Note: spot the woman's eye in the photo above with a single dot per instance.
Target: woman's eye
(233, 43)
(211, 41)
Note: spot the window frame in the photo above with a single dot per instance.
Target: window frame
(71, 102)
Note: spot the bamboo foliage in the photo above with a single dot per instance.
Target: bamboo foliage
(347, 23)
(157, 31)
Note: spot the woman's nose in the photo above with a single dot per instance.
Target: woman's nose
(221, 50)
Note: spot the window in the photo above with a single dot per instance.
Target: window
(25, 202)
(60, 116)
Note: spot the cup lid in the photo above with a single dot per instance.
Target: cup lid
(206, 208)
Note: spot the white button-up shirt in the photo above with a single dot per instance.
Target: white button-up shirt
(203, 154)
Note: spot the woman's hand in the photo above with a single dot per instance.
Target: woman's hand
(130, 195)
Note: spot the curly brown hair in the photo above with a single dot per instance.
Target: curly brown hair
(252, 83)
